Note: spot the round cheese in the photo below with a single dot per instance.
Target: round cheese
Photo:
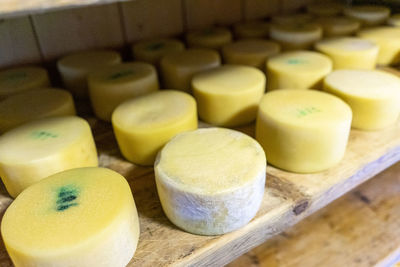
(303, 131)
(296, 36)
(251, 29)
(228, 95)
(388, 39)
(299, 18)
(178, 68)
(151, 51)
(43, 147)
(143, 125)
(373, 95)
(394, 20)
(325, 9)
(212, 38)
(368, 15)
(338, 26)
(297, 70)
(111, 85)
(74, 68)
(17, 80)
(253, 52)
(349, 52)
(205, 177)
(31, 105)
(79, 217)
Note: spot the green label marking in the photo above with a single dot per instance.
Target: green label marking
(15, 76)
(300, 113)
(296, 61)
(120, 74)
(43, 135)
(66, 197)
(155, 46)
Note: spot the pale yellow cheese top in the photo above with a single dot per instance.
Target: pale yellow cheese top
(346, 45)
(88, 60)
(16, 80)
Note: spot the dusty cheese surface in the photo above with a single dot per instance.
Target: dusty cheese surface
(338, 26)
(296, 36)
(80, 217)
(210, 38)
(368, 15)
(205, 177)
(151, 51)
(251, 29)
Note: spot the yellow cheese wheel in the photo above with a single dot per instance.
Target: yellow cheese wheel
(254, 52)
(205, 177)
(373, 95)
(368, 15)
(296, 36)
(43, 147)
(251, 29)
(17, 80)
(143, 125)
(303, 130)
(74, 68)
(178, 68)
(299, 18)
(228, 95)
(212, 38)
(394, 20)
(31, 105)
(110, 86)
(349, 52)
(338, 26)
(79, 217)
(297, 70)
(151, 51)
(388, 39)
(324, 9)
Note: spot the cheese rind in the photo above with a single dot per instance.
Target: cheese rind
(143, 125)
(79, 217)
(373, 95)
(151, 51)
(211, 38)
(296, 36)
(36, 104)
(349, 52)
(110, 86)
(43, 147)
(228, 95)
(205, 177)
(303, 131)
(297, 70)
(368, 15)
(251, 29)
(338, 26)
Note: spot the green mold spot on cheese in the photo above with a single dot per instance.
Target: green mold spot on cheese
(66, 197)
(155, 46)
(120, 74)
(43, 135)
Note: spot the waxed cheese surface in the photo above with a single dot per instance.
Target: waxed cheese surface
(152, 51)
(212, 38)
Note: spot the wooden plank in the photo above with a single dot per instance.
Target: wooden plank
(65, 31)
(360, 229)
(258, 9)
(152, 18)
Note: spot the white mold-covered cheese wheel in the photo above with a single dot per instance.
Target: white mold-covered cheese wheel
(394, 20)
(368, 15)
(251, 29)
(373, 95)
(349, 52)
(254, 52)
(80, 217)
(211, 181)
(297, 70)
(296, 36)
(74, 68)
(35, 104)
(178, 68)
(211, 38)
(151, 51)
(298, 18)
(388, 39)
(325, 9)
(111, 85)
(338, 26)
(303, 131)
(228, 95)
(143, 125)
(17, 80)
(43, 147)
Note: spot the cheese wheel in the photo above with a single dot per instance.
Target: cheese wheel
(373, 95)
(110, 86)
(74, 68)
(296, 36)
(205, 177)
(299, 18)
(79, 217)
(212, 38)
(43, 147)
(368, 15)
(324, 9)
(303, 131)
(228, 95)
(178, 68)
(297, 70)
(31, 105)
(143, 125)
(394, 20)
(349, 52)
(251, 29)
(338, 26)
(388, 39)
(250, 52)
(151, 51)
(17, 80)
